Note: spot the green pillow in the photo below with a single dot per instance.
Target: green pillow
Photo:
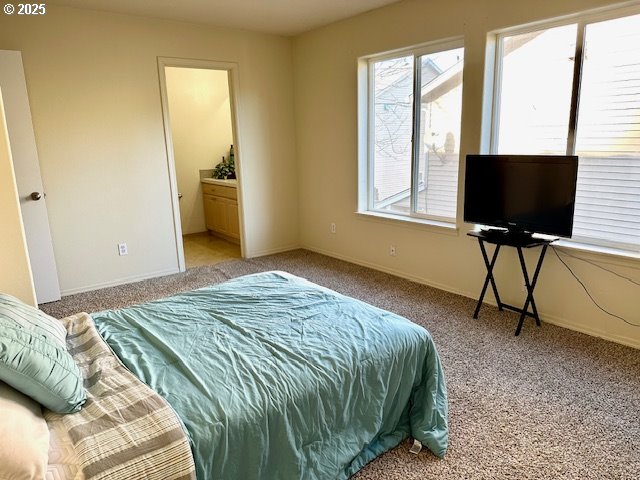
(33, 360)
(32, 319)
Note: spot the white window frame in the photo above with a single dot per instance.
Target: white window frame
(494, 75)
(366, 133)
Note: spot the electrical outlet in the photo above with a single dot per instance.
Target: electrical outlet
(333, 227)
(392, 250)
(122, 249)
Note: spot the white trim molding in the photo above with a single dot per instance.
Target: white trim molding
(232, 69)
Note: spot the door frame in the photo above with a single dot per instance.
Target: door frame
(232, 73)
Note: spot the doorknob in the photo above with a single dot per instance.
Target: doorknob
(36, 196)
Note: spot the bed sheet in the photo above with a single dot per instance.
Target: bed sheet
(275, 377)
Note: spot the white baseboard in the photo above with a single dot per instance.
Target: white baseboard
(397, 273)
(119, 281)
(161, 273)
(271, 251)
(552, 319)
(594, 332)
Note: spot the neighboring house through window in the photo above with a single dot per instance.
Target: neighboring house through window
(414, 94)
(574, 88)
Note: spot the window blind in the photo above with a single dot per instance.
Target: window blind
(608, 134)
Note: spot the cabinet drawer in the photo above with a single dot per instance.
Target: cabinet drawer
(219, 191)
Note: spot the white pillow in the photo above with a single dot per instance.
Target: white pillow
(24, 437)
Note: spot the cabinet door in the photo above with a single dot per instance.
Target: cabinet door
(234, 220)
(215, 214)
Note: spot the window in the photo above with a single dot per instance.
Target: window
(414, 109)
(575, 89)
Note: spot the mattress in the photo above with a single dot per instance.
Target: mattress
(275, 377)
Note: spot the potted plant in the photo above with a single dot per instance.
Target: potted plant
(226, 169)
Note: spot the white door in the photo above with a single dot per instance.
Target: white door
(27, 170)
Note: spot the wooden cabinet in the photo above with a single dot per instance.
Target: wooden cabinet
(221, 211)
(215, 214)
(234, 219)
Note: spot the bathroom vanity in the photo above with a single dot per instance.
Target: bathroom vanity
(220, 198)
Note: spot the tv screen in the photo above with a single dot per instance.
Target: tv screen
(524, 193)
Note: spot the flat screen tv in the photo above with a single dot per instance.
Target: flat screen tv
(521, 193)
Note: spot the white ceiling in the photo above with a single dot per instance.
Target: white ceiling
(283, 17)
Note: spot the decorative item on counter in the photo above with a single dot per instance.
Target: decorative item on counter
(225, 169)
(232, 162)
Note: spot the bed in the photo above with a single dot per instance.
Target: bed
(269, 375)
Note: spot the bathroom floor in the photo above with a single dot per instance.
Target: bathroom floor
(206, 249)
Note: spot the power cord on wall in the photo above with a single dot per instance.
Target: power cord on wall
(600, 267)
(585, 288)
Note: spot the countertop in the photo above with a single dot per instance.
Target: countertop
(232, 182)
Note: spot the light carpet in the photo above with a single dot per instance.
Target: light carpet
(549, 404)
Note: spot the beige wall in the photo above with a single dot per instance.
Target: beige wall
(201, 132)
(15, 271)
(325, 76)
(93, 84)
(92, 79)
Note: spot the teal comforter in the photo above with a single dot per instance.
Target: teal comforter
(277, 378)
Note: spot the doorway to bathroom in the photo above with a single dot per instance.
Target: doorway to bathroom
(199, 114)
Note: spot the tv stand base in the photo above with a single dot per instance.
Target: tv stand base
(518, 242)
